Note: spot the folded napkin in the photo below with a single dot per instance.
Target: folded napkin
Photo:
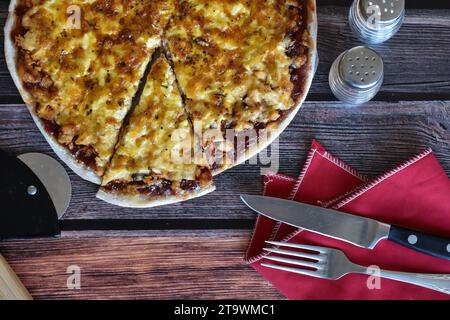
(415, 195)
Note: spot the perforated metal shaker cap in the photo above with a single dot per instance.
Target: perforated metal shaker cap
(375, 21)
(356, 75)
(387, 11)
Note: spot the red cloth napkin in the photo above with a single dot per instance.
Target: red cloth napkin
(415, 194)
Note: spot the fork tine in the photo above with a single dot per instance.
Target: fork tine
(302, 263)
(298, 254)
(316, 274)
(299, 246)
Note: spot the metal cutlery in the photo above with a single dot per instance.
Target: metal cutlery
(332, 264)
(360, 231)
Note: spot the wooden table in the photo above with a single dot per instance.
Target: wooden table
(195, 249)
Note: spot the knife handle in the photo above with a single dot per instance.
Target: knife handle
(426, 243)
(11, 288)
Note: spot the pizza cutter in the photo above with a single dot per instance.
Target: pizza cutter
(35, 191)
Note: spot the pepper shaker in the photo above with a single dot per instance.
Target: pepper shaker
(356, 75)
(375, 21)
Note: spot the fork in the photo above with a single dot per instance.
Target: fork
(332, 264)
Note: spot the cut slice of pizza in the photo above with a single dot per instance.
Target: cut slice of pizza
(237, 64)
(154, 162)
(78, 65)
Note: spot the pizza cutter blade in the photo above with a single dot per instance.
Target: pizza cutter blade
(35, 192)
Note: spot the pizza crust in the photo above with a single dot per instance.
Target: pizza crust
(11, 55)
(141, 201)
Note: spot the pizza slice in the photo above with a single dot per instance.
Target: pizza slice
(154, 162)
(236, 63)
(78, 64)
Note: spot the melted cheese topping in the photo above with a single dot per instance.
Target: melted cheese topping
(231, 59)
(157, 144)
(84, 73)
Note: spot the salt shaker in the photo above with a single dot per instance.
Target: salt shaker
(356, 75)
(375, 21)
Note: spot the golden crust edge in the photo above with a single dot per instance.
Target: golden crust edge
(142, 201)
(312, 57)
(10, 55)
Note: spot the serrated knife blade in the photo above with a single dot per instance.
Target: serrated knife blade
(360, 231)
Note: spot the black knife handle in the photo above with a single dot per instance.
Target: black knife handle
(426, 243)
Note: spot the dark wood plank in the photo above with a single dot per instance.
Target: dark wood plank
(146, 266)
(415, 59)
(372, 138)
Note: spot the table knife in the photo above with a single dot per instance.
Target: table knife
(35, 192)
(360, 231)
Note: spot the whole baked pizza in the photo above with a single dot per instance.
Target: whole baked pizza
(152, 98)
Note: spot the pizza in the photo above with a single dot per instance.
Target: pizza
(153, 155)
(142, 97)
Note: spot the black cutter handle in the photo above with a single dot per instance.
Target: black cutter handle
(23, 214)
(426, 243)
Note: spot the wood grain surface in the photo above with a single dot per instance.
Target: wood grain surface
(372, 138)
(129, 253)
(191, 265)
